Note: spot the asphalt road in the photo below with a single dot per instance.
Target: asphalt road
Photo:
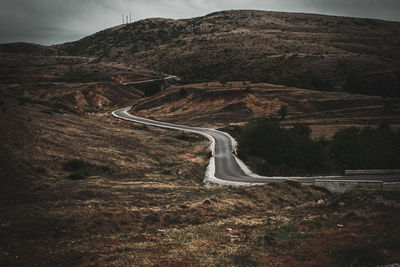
(227, 167)
(169, 77)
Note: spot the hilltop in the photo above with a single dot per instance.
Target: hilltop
(301, 50)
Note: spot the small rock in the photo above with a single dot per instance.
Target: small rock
(340, 225)
(341, 204)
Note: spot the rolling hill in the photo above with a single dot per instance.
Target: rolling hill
(302, 50)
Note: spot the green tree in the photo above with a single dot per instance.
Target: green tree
(182, 91)
(223, 81)
(283, 111)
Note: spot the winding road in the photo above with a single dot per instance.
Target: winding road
(226, 168)
(223, 166)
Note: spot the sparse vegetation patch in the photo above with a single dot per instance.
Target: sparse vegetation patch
(81, 169)
(365, 255)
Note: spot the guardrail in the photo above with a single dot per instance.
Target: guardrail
(340, 186)
(370, 172)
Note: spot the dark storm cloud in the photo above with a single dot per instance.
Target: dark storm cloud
(381, 9)
(56, 21)
(50, 20)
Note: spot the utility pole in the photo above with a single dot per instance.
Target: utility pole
(130, 17)
(123, 19)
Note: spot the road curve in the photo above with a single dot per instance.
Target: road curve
(224, 168)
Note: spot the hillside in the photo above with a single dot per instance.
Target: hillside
(27, 49)
(300, 50)
(216, 105)
(30, 74)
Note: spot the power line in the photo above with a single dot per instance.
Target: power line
(126, 19)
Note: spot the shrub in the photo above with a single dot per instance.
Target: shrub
(189, 137)
(77, 176)
(244, 258)
(105, 169)
(358, 256)
(280, 235)
(223, 80)
(283, 111)
(74, 165)
(47, 111)
(182, 91)
(306, 80)
(387, 84)
(80, 169)
(40, 170)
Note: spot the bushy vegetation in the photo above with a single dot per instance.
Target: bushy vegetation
(272, 150)
(306, 80)
(80, 169)
(285, 235)
(366, 148)
(190, 137)
(358, 256)
(182, 91)
(387, 84)
(283, 111)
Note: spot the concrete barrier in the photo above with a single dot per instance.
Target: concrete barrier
(340, 186)
(391, 186)
(370, 172)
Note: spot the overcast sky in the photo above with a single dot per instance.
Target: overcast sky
(58, 21)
